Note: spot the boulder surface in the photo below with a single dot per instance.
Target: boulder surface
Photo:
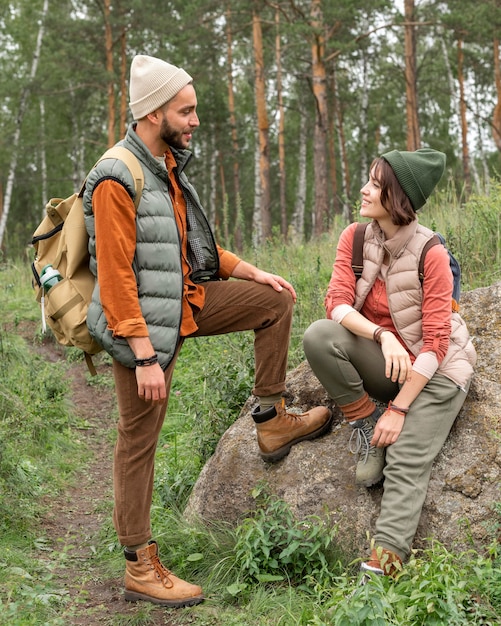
(319, 476)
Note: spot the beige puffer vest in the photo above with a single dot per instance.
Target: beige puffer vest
(405, 296)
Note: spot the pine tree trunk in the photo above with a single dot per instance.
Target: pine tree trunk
(108, 45)
(413, 131)
(237, 231)
(123, 82)
(496, 122)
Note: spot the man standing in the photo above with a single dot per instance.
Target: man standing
(160, 279)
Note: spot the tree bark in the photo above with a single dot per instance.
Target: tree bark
(123, 81)
(237, 231)
(108, 46)
(300, 203)
(281, 129)
(319, 81)
(345, 171)
(263, 127)
(23, 102)
(464, 122)
(413, 131)
(496, 122)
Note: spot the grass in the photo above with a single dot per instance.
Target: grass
(251, 573)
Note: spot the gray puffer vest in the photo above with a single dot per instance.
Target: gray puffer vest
(405, 296)
(157, 261)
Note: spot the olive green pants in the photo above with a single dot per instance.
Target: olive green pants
(348, 366)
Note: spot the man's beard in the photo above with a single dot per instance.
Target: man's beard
(170, 136)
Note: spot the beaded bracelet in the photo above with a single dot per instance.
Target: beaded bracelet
(151, 360)
(397, 409)
(378, 332)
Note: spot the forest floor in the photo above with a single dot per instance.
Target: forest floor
(73, 521)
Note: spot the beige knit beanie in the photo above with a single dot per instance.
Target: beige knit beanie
(153, 82)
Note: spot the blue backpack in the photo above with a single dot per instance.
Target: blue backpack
(357, 260)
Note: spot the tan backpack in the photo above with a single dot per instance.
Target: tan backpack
(62, 263)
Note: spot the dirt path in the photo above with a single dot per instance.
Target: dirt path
(73, 521)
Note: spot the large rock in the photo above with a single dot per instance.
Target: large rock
(318, 476)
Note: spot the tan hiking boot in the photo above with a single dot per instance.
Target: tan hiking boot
(383, 562)
(146, 578)
(371, 460)
(278, 431)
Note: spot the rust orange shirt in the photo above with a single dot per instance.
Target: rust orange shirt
(115, 223)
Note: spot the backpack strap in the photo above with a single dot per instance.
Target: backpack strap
(133, 165)
(433, 241)
(357, 253)
(135, 168)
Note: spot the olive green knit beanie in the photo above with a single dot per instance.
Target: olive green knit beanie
(417, 172)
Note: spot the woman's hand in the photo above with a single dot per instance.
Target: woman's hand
(387, 429)
(398, 362)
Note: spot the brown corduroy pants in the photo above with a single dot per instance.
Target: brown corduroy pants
(230, 306)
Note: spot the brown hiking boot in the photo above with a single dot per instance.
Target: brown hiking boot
(278, 431)
(146, 578)
(383, 562)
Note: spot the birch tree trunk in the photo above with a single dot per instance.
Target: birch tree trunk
(262, 127)
(281, 128)
(43, 159)
(345, 173)
(300, 204)
(258, 190)
(19, 121)
(413, 131)
(321, 208)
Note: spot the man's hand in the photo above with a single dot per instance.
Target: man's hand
(151, 383)
(246, 271)
(277, 282)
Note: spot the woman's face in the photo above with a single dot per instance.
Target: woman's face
(371, 199)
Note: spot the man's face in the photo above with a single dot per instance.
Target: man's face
(179, 119)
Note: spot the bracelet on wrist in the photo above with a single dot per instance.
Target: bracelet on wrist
(151, 360)
(397, 409)
(376, 336)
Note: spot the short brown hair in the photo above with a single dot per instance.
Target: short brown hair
(393, 197)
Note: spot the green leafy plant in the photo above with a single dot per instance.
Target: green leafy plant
(272, 545)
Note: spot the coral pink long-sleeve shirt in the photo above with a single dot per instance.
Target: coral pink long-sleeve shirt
(437, 297)
(114, 212)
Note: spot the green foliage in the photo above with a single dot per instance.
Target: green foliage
(272, 545)
(212, 380)
(64, 126)
(472, 230)
(272, 569)
(440, 587)
(34, 423)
